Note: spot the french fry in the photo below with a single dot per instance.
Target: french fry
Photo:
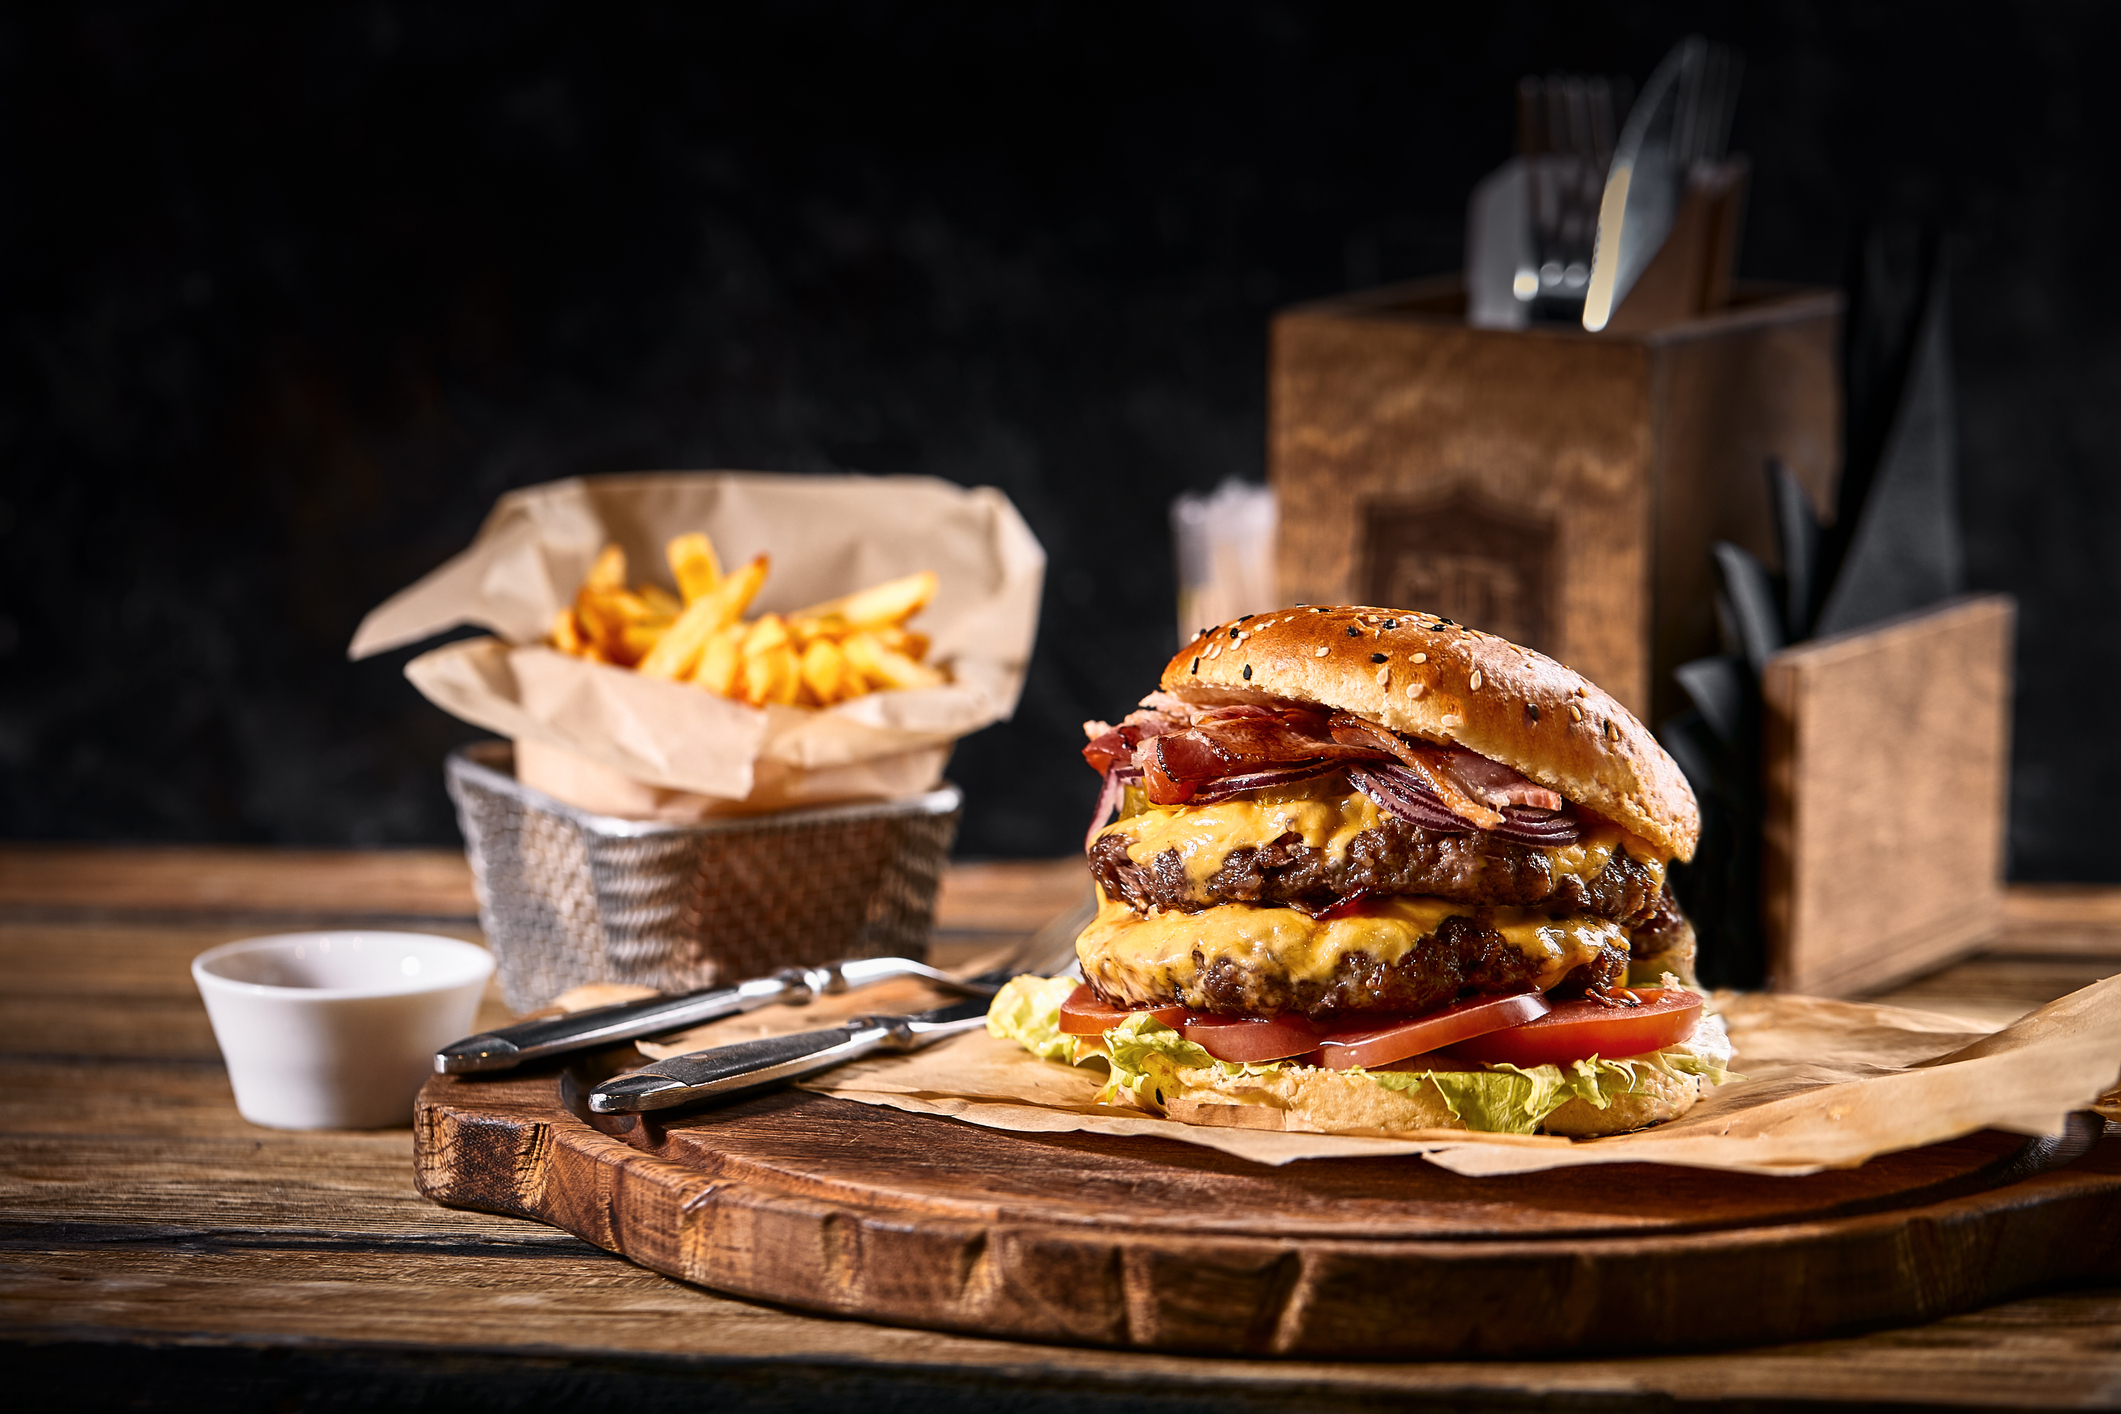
(606, 616)
(828, 653)
(905, 640)
(806, 629)
(567, 634)
(893, 601)
(767, 631)
(693, 564)
(887, 667)
(609, 571)
(770, 675)
(665, 605)
(721, 662)
(679, 650)
(826, 674)
(640, 639)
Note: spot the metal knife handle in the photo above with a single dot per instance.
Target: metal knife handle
(511, 1046)
(732, 1070)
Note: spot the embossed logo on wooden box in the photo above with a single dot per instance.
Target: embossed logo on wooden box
(1467, 558)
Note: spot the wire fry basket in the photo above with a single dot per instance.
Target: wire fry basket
(567, 897)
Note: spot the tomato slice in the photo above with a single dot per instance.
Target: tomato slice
(1247, 1039)
(1370, 1043)
(1083, 1014)
(1575, 1030)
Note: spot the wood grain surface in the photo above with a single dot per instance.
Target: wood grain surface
(1887, 767)
(158, 1252)
(1150, 1244)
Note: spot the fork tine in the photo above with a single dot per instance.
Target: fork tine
(1051, 950)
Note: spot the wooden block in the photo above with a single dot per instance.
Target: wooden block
(1556, 487)
(1887, 769)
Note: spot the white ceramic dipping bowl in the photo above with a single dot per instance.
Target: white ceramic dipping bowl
(337, 1030)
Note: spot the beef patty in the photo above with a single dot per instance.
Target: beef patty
(1394, 858)
(1464, 956)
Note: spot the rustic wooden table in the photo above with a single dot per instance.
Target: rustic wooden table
(160, 1252)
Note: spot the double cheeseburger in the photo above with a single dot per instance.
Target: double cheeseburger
(1368, 871)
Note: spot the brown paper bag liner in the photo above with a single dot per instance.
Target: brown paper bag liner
(1827, 1084)
(826, 536)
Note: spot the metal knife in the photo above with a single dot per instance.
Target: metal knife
(726, 1071)
(511, 1046)
(1642, 186)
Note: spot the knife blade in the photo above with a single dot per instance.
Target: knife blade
(512, 1046)
(727, 1071)
(1642, 185)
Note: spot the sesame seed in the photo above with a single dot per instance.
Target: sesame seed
(1236, 633)
(1416, 688)
(1421, 657)
(1531, 714)
(1452, 719)
(1575, 713)
(1196, 665)
(1377, 657)
(1243, 617)
(1248, 672)
(1354, 632)
(1215, 652)
(1474, 681)
(1318, 653)
(1391, 623)
(1384, 677)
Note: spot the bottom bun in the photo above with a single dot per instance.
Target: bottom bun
(1315, 1100)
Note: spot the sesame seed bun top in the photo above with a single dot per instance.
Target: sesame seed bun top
(1427, 677)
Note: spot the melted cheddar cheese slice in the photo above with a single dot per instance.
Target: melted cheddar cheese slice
(1164, 954)
(1327, 816)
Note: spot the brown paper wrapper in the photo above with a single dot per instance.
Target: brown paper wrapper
(1827, 1084)
(609, 740)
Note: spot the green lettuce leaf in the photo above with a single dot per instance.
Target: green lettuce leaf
(1146, 1057)
(1027, 1011)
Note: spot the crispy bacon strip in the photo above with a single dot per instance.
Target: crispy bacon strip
(1497, 784)
(1109, 744)
(1224, 748)
(1179, 749)
(1432, 764)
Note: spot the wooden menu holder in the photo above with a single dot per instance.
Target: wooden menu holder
(1887, 765)
(1557, 487)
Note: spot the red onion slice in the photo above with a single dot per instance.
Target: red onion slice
(1116, 781)
(1398, 791)
(1223, 787)
(1527, 825)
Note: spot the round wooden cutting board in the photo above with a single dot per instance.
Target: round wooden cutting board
(843, 1208)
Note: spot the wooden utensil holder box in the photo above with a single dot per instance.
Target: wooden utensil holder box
(1887, 774)
(1556, 487)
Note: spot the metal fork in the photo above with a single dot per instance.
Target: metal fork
(723, 1072)
(512, 1046)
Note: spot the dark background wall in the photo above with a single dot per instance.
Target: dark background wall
(288, 295)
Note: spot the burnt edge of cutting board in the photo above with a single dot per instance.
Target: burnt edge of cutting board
(913, 1220)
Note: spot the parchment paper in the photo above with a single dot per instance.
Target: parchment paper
(1828, 1084)
(826, 536)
